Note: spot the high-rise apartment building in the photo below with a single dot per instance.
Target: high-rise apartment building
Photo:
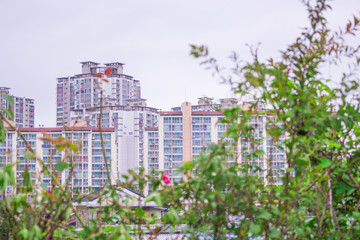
(129, 122)
(82, 91)
(186, 131)
(23, 109)
(89, 164)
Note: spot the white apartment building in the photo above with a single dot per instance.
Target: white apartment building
(186, 131)
(89, 164)
(129, 122)
(82, 91)
(23, 109)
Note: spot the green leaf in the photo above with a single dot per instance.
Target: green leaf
(36, 232)
(341, 187)
(302, 161)
(265, 215)
(275, 234)
(255, 228)
(154, 197)
(275, 132)
(334, 144)
(119, 233)
(73, 147)
(29, 155)
(67, 213)
(3, 180)
(27, 180)
(139, 212)
(324, 162)
(2, 132)
(59, 147)
(108, 229)
(189, 165)
(9, 99)
(171, 217)
(60, 166)
(24, 233)
(7, 176)
(8, 112)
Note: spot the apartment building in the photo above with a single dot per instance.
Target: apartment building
(184, 132)
(129, 122)
(89, 163)
(83, 91)
(23, 109)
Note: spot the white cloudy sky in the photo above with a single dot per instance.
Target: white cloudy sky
(41, 40)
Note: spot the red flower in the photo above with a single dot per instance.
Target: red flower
(166, 179)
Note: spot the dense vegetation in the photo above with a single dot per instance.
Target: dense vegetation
(319, 194)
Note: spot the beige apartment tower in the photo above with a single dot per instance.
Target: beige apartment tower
(186, 131)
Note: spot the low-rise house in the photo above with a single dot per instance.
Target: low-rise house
(90, 206)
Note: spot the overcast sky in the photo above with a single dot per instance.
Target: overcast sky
(41, 40)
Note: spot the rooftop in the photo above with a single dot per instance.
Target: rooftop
(90, 63)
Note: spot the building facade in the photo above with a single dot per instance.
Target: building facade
(183, 133)
(83, 91)
(89, 169)
(129, 122)
(23, 109)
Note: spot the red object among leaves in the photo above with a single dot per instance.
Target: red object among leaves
(166, 179)
(108, 71)
(97, 75)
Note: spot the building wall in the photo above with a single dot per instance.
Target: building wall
(128, 142)
(64, 100)
(184, 134)
(89, 164)
(129, 122)
(187, 131)
(24, 110)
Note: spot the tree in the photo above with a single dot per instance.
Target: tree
(318, 198)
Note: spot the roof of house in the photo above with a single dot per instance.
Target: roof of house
(133, 199)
